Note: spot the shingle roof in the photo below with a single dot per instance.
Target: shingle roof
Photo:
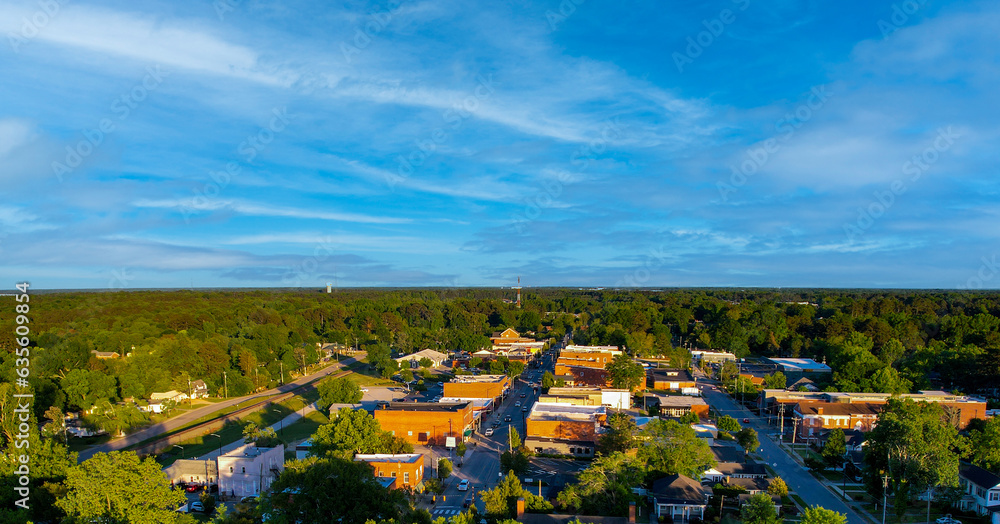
(979, 476)
(678, 489)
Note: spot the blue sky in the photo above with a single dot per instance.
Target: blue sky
(436, 143)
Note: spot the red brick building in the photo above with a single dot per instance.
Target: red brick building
(427, 423)
(407, 469)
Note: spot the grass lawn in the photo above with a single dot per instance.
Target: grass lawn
(368, 380)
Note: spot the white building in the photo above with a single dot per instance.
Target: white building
(413, 360)
(247, 470)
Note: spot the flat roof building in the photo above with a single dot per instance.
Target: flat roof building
(427, 423)
(248, 470)
(407, 469)
(476, 386)
(556, 428)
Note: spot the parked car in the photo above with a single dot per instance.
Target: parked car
(524, 408)
(463, 485)
(489, 432)
(746, 421)
(197, 506)
(947, 519)
(507, 418)
(364, 390)
(191, 488)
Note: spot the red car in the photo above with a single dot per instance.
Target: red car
(746, 421)
(191, 488)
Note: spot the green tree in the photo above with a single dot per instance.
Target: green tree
(499, 501)
(548, 380)
(261, 437)
(330, 490)
(619, 435)
(407, 375)
(625, 373)
(338, 391)
(821, 515)
(727, 424)
(115, 418)
(118, 487)
(917, 444)
(747, 439)
(690, 418)
(515, 368)
(670, 447)
(475, 362)
(496, 367)
(85, 388)
(605, 487)
(775, 380)
(444, 468)
(759, 510)
(778, 487)
(835, 448)
(426, 362)
(353, 431)
(984, 445)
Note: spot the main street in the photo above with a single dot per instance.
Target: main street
(193, 415)
(799, 480)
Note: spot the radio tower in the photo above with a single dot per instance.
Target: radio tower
(518, 288)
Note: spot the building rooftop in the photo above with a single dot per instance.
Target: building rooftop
(469, 379)
(671, 375)
(679, 401)
(838, 409)
(554, 411)
(593, 349)
(246, 450)
(426, 406)
(979, 476)
(403, 458)
(801, 364)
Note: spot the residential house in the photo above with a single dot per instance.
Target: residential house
(675, 406)
(248, 470)
(982, 485)
(104, 355)
(752, 486)
(407, 469)
(199, 389)
(679, 497)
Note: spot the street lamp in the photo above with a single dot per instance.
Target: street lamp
(220, 441)
(182, 450)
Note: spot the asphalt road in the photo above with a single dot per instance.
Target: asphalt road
(190, 416)
(799, 479)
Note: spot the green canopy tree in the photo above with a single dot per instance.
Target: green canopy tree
(619, 435)
(984, 445)
(499, 501)
(727, 424)
(775, 380)
(778, 487)
(759, 509)
(670, 447)
(747, 439)
(330, 490)
(821, 515)
(689, 418)
(119, 488)
(625, 373)
(835, 448)
(604, 488)
(353, 431)
(261, 437)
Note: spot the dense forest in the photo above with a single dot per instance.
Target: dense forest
(874, 340)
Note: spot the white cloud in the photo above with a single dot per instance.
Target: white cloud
(254, 209)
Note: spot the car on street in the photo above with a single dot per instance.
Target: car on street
(507, 418)
(948, 519)
(489, 432)
(524, 408)
(463, 485)
(746, 421)
(364, 390)
(522, 395)
(518, 403)
(191, 488)
(197, 506)
(496, 423)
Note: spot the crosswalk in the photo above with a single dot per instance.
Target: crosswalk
(446, 511)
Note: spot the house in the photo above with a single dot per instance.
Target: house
(248, 470)
(679, 497)
(752, 486)
(803, 384)
(670, 379)
(677, 406)
(426, 423)
(199, 389)
(160, 402)
(982, 485)
(413, 360)
(104, 355)
(407, 469)
(736, 470)
(508, 337)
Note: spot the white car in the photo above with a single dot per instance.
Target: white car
(463, 485)
(364, 390)
(489, 432)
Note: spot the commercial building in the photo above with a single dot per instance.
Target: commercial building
(578, 376)
(677, 406)
(960, 408)
(427, 423)
(671, 379)
(711, 357)
(248, 470)
(796, 368)
(413, 360)
(596, 357)
(564, 428)
(406, 469)
(589, 396)
(476, 386)
(192, 471)
(814, 417)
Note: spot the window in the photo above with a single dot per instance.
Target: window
(393, 474)
(994, 495)
(244, 469)
(409, 433)
(406, 477)
(230, 469)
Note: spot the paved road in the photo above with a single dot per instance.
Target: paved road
(798, 478)
(190, 416)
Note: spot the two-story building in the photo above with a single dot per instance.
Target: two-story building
(427, 423)
(407, 469)
(814, 417)
(982, 486)
(248, 470)
(564, 428)
(670, 379)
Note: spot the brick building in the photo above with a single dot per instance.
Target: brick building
(670, 379)
(564, 428)
(959, 408)
(814, 417)
(477, 386)
(427, 423)
(407, 469)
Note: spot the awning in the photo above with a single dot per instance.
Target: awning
(468, 433)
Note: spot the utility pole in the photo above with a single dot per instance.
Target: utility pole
(282, 365)
(885, 492)
(781, 433)
(795, 425)
(225, 382)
